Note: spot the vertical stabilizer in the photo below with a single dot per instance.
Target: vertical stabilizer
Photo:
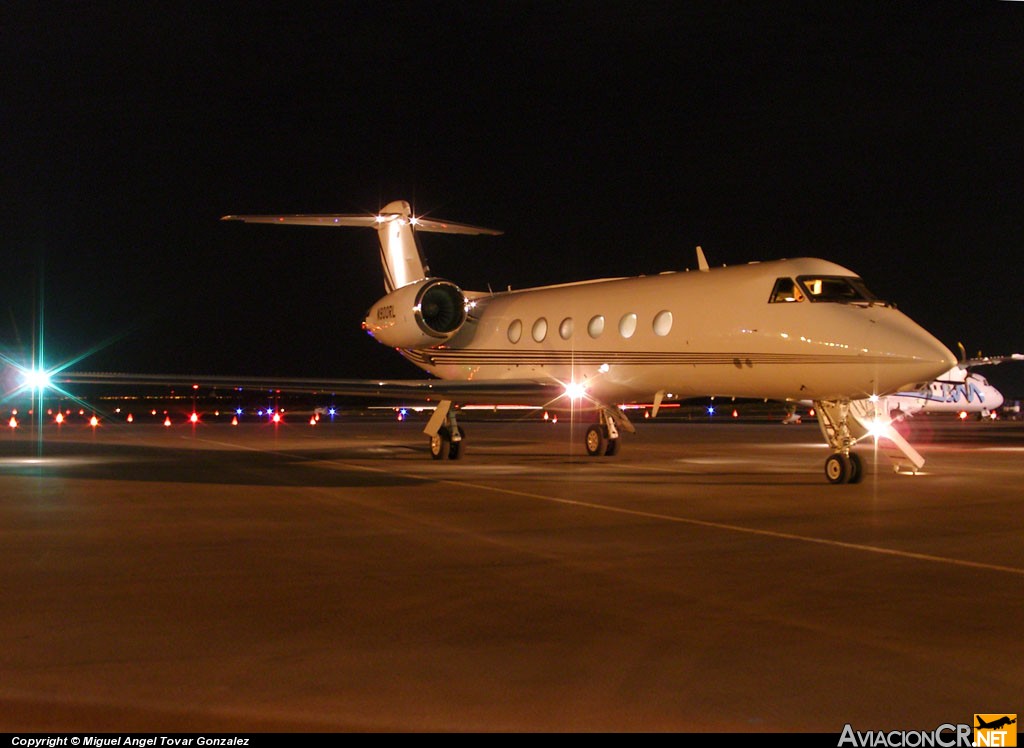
(400, 254)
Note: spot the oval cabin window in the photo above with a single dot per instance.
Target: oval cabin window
(627, 325)
(515, 330)
(540, 329)
(565, 329)
(596, 326)
(662, 323)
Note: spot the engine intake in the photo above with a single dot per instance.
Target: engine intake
(419, 315)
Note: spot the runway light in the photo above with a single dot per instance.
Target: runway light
(194, 418)
(546, 416)
(238, 411)
(13, 423)
(234, 421)
(554, 419)
(312, 421)
(711, 410)
(735, 413)
(167, 421)
(331, 412)
(276, 418)
(59, 418)
(36, 379)
(130, 418)
(94, 421)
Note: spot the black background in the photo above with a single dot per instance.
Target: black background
(605, 139)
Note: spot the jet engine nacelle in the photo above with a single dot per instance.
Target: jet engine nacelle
(419, 315)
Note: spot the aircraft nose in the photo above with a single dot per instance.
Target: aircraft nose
(931, 354)
(921, 356)
(933, 351)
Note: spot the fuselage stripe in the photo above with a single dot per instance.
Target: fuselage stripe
(439, 357)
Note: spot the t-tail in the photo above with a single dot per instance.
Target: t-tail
(400, 254)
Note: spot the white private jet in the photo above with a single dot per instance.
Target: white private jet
(788, 330)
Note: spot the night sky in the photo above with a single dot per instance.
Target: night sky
(604, 139)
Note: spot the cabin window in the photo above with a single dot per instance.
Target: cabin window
(786, 291)
(565, 329)
(515, 331)
(840, 289)
(627, 325)
(596, 326)
(662, 324)
(540, 329)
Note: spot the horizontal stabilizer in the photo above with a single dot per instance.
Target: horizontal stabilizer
(403, 262)
(365, 220)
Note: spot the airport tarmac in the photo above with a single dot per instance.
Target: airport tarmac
(334, 578)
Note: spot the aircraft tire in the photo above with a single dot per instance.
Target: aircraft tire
(595, 441)
(455, 451)
(440, 446)
(837, 468)
(856, 468)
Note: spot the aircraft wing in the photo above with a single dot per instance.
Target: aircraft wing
(472, 391)
(991, 360)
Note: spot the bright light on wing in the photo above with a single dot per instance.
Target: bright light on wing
(575, 391)
(879, 428)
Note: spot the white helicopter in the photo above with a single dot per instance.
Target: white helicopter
(788, 329)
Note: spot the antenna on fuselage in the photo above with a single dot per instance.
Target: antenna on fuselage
(702, 261)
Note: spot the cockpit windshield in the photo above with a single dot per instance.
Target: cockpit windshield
(841, 289)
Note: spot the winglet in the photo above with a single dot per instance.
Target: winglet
(702, 261)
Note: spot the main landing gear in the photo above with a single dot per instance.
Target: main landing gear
(447, 438)
(447, 442)
(603, 437)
